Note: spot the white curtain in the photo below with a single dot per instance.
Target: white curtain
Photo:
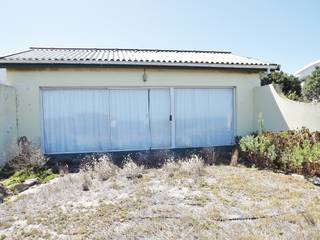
(129, 119)
(89, 120)
(204, 117)
(160, 118)
(75, 120)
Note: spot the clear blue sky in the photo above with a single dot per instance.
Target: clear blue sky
(280, 31)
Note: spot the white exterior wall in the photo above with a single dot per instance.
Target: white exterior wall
(280, 113)
(29, 81)
(8, 127)
(3, 76)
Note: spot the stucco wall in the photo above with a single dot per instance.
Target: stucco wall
(8, 124)
(280, 113)
(3, 75)
(29, 82)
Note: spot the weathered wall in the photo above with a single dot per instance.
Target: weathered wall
(8, 124)
(280, 113)
(29, 81)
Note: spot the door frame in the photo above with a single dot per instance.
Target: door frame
(172, 111)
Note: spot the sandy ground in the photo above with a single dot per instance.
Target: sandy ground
(179, 201)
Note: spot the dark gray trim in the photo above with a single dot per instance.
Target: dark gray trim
(243, 67)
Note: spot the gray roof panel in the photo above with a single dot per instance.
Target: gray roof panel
(134, 57)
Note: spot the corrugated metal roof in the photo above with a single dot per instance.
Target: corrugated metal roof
(134, 57)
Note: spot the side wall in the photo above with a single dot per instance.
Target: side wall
(8, 124)
(280, 113)
(3, 75)
(29, 81)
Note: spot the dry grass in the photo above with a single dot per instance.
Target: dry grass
(131, 169)
(182, 200)
(103, 168)
(193, 167)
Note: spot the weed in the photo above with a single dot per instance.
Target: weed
(104, 168)
(26, 155)
(131, 170)
(200, 200)
(42, 175)
(193, 166)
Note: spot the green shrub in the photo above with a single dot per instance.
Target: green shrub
(43, 175)
(289, 84)
(311, 89)
(303, 159)
(259, 150)
(292, 95)
(291, 151)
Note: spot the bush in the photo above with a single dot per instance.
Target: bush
(259, 150)
(303, 159)
(311, 89)
(290, 85)
(290, 151)
(42, 175)
(26, 155)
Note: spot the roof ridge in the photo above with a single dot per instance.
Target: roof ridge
(132, 49)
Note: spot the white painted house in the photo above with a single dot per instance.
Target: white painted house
(307, 70)
(72, 100)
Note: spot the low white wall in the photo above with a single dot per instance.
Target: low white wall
(8, 122)
(280, 113)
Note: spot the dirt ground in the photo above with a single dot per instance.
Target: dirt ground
(177, 201)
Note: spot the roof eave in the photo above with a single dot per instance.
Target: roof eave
(8, 64)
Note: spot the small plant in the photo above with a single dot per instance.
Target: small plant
(131, 169)
(100, 168)
(42, 175)
(86, 180)
(104, 168)
(193, 166)
(292, 95)
(26, 155)
(261, 124)
(259, 150)
(171, 167)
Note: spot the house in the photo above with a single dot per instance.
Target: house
(72, 100)
(307, 70)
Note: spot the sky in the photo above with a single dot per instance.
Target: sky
(278, 31)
